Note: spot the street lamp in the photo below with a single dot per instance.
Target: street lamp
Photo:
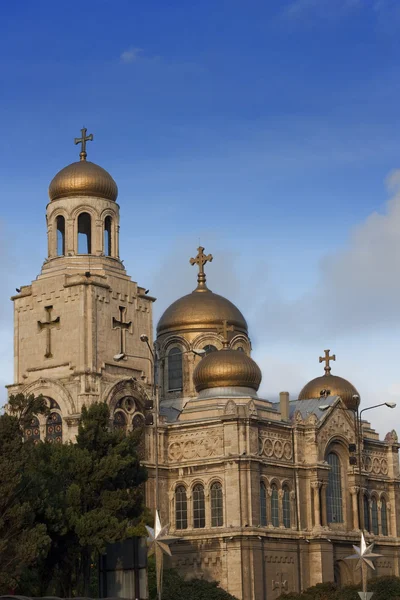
(359, 438)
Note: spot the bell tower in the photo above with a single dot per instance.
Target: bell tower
(77, 326)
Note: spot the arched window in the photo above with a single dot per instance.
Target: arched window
(54, 428)
(240, 349)
(274, 506)
(209, 348)
(286, 506)
(138, 421)
(181, 508)
(217, 508)
(32, 432)
(84, 234)
(374, 515)
(334, 490)
(60, 223)
(107, 236)
(120, 420)
(367, 524)
(263, 504)
(199, 510)
(175, 376)
(384, 519)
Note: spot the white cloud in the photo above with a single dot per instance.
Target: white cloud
(131, 55)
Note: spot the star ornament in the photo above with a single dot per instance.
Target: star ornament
(364, 554)
(159, 538)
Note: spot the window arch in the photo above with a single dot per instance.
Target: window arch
(217, 506)
(374, 515)
(240, 349)
(286, 506)
(181, 520)
(367, 524)
(334, 490)
(199, 509)
(107, 236)
(263, 504)
(54, 428)
(84, 233)
(175, 374)
(120, 420)
(274, 506)
(32, 431)
(209, 348)
(60, 226)
(384, 519)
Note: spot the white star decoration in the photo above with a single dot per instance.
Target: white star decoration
(158, 537)
(364, 554)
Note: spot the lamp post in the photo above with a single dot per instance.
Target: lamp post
(359, 439)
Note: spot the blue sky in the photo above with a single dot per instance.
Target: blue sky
(266, 129)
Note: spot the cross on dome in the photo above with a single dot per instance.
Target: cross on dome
(82, 140)
(200, 260)
(327, 360)
(223, 331)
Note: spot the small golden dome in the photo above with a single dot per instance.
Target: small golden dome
(330, 385)
(202, 309)
(227, 368)
(83, 178)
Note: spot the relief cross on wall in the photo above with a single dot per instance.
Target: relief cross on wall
(48, 326)
(282, 584)
(123, 326)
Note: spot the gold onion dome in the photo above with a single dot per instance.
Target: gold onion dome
(227, 368)
(202, 309)
(330, 385)
(83, 178)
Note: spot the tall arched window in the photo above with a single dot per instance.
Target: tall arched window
(199, 510)
(217, 507)
(384, 519)
(84, 233)
(263, 504)
(181, 520)
(32, 432)
(286, 506)
(120, 420)
(60, 223)
(54, 428)
(274, 506)
(175, 376)
(367, 524)
(107, 236)
(209, 348)
(334, 490)
(374, 515)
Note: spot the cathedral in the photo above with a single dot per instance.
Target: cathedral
(265, 497)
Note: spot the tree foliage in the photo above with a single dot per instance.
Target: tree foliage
(384, 588)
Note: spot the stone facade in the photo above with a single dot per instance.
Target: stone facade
(245, 483)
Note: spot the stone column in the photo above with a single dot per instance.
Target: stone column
(269, 496)
(293, 514)
(189, 500)
(324, 512)
(370, 515)
(354, 505)
(317, 510)
(379, 518)
(280, 508)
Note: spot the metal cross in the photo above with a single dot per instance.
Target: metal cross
(82, 140)
(48, 326)
(123, 326)
(200, 260)
(327, 360)
(281, 585)
(223, 331)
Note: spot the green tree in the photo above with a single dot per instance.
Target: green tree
(22, 540)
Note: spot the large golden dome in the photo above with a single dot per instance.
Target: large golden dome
(227, 368)
(83, 178)
(330, 385)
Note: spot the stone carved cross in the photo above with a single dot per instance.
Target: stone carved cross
(282, 584)
(327, 360)
(123, 326)
(223, 331)
(48, 326)
(200, 260)
(82, 140)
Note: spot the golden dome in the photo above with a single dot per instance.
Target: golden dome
(330, 385)
(202, 309)
(83, 178)
(227, 368)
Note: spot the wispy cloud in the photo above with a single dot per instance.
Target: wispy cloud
(131, 55)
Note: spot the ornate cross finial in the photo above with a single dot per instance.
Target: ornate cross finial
(82, 140)
(223, 331)
(201, 259)
(327, 360)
